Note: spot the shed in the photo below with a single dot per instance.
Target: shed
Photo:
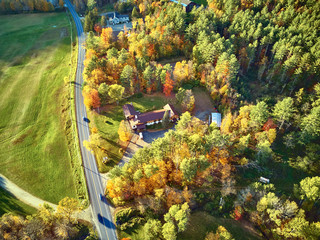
(216, 117)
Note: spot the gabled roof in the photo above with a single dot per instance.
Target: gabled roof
(171, 109)
(182, 2)
(151, 116)
(129, 110)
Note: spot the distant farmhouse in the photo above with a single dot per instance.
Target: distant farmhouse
(140, 121)
(187, 4)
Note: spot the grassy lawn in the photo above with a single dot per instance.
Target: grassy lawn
(8, 203)
(201, 223)
(201, 2)
(34, 59)
(108, 124)
(106, 8)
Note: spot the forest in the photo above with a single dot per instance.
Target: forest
(19, 6)
(260, 63)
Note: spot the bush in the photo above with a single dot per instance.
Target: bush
(138, 95)
(128, 218)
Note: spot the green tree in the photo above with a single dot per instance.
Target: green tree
(91, 4)
(310, 188)
(178, 214)
(152, 229)
(180, 95)
(169, 231)
(67, 207)
(103, 91)
(259, 114)
(166, 119)
(310, 124)
(126, 76)
(188, 168)
(185, 119)
(103, 21)
(115, 92)
(283, 110)
(264, 151)
(134, 13)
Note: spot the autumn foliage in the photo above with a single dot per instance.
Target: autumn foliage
(168, 86)
(91, 97)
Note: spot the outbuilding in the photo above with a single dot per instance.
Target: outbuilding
(216, 118)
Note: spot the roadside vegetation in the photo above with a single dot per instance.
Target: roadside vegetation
(35, 59)
(47, 223)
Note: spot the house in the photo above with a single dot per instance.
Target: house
(140, 121)
(116, 18)
(188, 5)
(216, 117)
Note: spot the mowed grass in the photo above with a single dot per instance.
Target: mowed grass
(201, 223)
(9, 203)
(34, 59)
(108, 121)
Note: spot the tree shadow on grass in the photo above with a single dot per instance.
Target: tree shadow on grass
(8, 203)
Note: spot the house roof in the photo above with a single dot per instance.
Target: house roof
(129, 110)
(151, 116)
(171, 109)
(182, 2)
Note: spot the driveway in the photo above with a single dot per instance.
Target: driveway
(149, 137)
(120, 27)
(136, 143)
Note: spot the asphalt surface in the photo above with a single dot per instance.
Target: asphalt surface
(100, 207)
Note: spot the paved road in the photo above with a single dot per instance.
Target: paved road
(100, 207)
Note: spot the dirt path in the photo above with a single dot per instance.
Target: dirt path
(36, 202)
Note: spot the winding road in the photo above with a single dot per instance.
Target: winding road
(100, 207)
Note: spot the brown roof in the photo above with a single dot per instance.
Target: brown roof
(151, 116)
(129, 110)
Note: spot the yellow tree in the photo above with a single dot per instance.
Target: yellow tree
(181, 72)
(124, 133)
(93, 143)
(67, 207)
(106, 37)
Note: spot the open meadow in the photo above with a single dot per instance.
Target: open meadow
(34, 59)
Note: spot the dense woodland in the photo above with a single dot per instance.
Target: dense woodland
(259, 61)
(18, 6)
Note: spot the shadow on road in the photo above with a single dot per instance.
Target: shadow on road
(106, 222)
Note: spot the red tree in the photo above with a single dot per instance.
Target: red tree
(269, 124)
(91, 98)
(98, 28)
(168, 86)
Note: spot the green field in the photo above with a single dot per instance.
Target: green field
(108, 124)
(201, 223)
(8, 203)
(34, 59)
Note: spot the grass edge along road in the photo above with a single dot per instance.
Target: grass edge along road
(35, 57)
